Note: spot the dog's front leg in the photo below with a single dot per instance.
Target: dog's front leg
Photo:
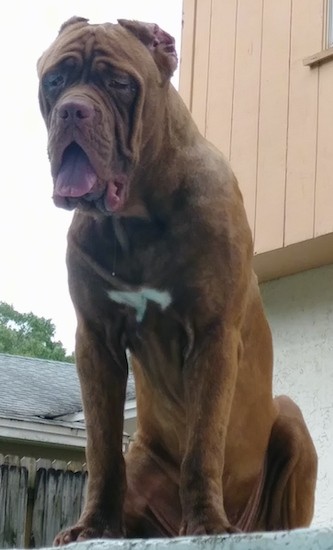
(103, 374)
(209, 379)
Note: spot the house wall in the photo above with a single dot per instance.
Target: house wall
(28, 449)
(130, 426)
(300, 312)
(244, 79)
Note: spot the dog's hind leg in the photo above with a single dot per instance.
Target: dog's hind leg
(152, 504)
(288, 496)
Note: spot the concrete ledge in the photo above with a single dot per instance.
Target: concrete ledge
(300, 539)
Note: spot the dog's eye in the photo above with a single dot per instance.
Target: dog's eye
(118, 84)
(54, 82)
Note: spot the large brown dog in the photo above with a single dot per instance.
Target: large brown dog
(159, 260)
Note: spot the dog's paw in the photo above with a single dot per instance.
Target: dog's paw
(81, 532)
(199, 527)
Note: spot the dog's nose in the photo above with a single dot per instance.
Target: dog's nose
(76, 111)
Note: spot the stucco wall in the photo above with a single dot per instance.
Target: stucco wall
(300, 311)
(299, 539)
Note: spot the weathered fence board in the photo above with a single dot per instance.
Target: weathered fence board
(58, 499)
(38, 498)
(57, 491)
(13, 502)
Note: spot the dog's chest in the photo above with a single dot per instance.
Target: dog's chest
(138, 300)
(151, 329)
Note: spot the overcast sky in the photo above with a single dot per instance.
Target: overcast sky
(32, 230)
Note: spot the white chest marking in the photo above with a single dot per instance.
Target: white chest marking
(138, 299)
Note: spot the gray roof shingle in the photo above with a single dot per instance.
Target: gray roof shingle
(31, 388)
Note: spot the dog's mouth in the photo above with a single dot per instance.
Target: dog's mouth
(77, 184)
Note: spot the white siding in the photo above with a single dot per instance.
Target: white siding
(300, 311)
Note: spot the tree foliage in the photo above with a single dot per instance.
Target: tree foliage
(29, 335)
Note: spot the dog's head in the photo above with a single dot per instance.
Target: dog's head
(102, 91)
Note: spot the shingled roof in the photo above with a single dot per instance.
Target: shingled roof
(40, 389)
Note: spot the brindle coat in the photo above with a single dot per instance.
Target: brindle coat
(160, 263)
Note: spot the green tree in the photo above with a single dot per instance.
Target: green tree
(29, 335)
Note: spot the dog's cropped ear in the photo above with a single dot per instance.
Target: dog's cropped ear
(159, 43)
(72, 21)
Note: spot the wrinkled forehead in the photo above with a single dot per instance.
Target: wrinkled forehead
(108, 41)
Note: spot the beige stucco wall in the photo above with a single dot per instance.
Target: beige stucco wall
(300, 311)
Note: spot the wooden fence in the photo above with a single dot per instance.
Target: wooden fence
(38, 498)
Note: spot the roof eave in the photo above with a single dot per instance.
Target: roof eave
(42, 432)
